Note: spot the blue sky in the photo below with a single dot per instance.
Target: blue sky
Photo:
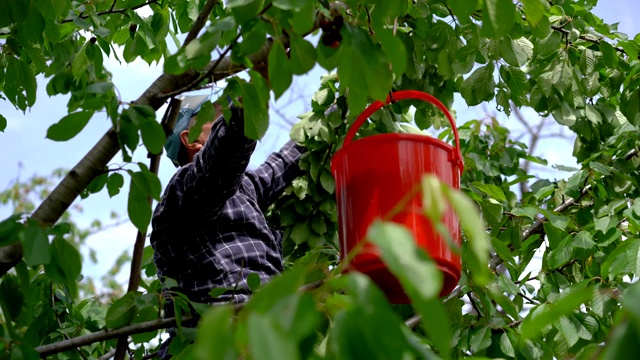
(26, 152)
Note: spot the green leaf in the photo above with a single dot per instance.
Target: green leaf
(534, 10)
(630, 104)
(527, 211)
(481, 339)
(122, 312)
(100, 87)
(545, 314)
(588, 61)
(303, 20)
(294, 5)
(355, 332)
(517, 52)
(463, 8)
(472, 223)
(69, 126)
(479, 86)
(609, 55)
(11, 297)
(568, 330)
(267, 340)
(114, 183)
(3, 123)
(506, 346)
(20, 83)
(584, 240)
(36, 245)
(493, 191)
(327, 182)
(492, 212)
(138, 206)
(206, 114)
(498, 17)
(593, 114)
(502, 250)
(302, 54)
(319, 225)
(542, 29)
(215, 338)
(416, 272)
(153, 136)
(561, 222)
(279, 69)
(301, 232)
(10, 228)
(65, 265)
(253, 280)
(394, 49)
(329, 57)
(254, 101)
(154, 187)
(506, 303)
(561, 254)
(562, 75)
(630, 48)
(623, 260)
(418, 275)
(80, 62)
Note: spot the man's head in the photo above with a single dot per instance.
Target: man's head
(179, 149)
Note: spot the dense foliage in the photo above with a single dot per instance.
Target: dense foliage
(555, 57)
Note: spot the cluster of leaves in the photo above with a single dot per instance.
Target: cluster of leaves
(555, 57)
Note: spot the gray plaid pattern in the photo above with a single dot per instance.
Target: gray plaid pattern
(209, 229)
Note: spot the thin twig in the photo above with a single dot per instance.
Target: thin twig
(65, 335)
(108, 355)
(211, 67)
(528, 298)
(200, 21)
(111, 11)
(153, 355)
(167, 123)
(473, 303)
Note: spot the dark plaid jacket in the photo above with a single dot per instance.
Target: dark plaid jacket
(209, 229)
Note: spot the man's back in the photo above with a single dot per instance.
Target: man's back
(209, 230)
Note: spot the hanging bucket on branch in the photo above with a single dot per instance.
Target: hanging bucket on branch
(374, 174)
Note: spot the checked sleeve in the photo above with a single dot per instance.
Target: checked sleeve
(272, 177)
(217, 169)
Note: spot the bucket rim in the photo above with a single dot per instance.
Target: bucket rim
(342, 152)
(402, 95)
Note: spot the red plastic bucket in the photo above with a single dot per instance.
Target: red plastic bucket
(376, 173)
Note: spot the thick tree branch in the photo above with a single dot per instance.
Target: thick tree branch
(148, 326)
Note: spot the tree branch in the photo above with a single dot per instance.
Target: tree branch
(536, 227)
(200, 21)
(147, 326)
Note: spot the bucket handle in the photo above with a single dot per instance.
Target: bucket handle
(402, 95)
